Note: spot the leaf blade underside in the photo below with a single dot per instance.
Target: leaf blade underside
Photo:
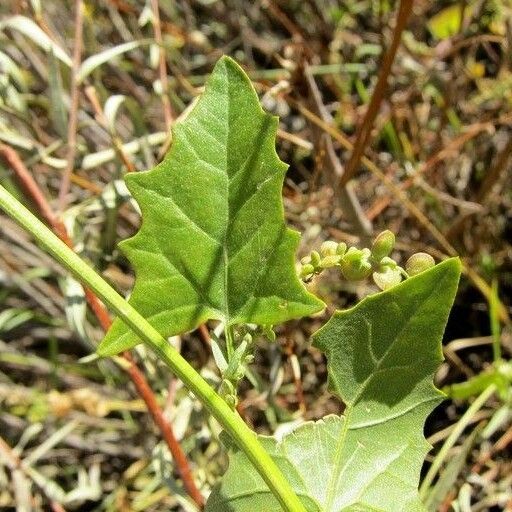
(382, 355)
(213, 243)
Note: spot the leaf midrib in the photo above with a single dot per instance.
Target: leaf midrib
(337, 459)
(231, 218)
(225, 251)
(350, 406)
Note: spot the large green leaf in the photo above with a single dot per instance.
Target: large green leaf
(213, 242)
(382, 355)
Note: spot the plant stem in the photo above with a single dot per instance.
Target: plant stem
(230, 344)
(243, 436)
(464, 421)
(139, 380)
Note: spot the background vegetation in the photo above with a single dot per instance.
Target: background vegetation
(89, 90)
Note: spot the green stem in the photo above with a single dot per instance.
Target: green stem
(230, 341)
(243, 436)
(464, 421)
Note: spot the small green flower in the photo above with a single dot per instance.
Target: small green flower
(356, 270)
(341, 249)
(315, 258)
(387, 277)
(328, 248)
(383, 245)
(330, 261)
(418, 263)
(307, 271)
(353, 254)
(387, 262)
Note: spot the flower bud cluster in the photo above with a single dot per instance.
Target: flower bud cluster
(236, 368)
(330, 255)
(358, 264)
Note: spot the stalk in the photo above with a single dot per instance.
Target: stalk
(242, 435)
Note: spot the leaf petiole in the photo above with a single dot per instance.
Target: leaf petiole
(230, 343)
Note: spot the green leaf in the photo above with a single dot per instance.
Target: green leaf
(213, 242)
(382, 355)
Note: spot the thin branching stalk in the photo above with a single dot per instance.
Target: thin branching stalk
(99, 114)
(495, 322)
(492, 176)
(450, 148)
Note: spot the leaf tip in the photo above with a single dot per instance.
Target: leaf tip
(228, 62)
(106, 348)
(453, 264)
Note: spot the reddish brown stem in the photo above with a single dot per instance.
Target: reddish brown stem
(57, 507)
(364, 130)
(33, 191)
(204, 335)
(180, 459)
(283, 18)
